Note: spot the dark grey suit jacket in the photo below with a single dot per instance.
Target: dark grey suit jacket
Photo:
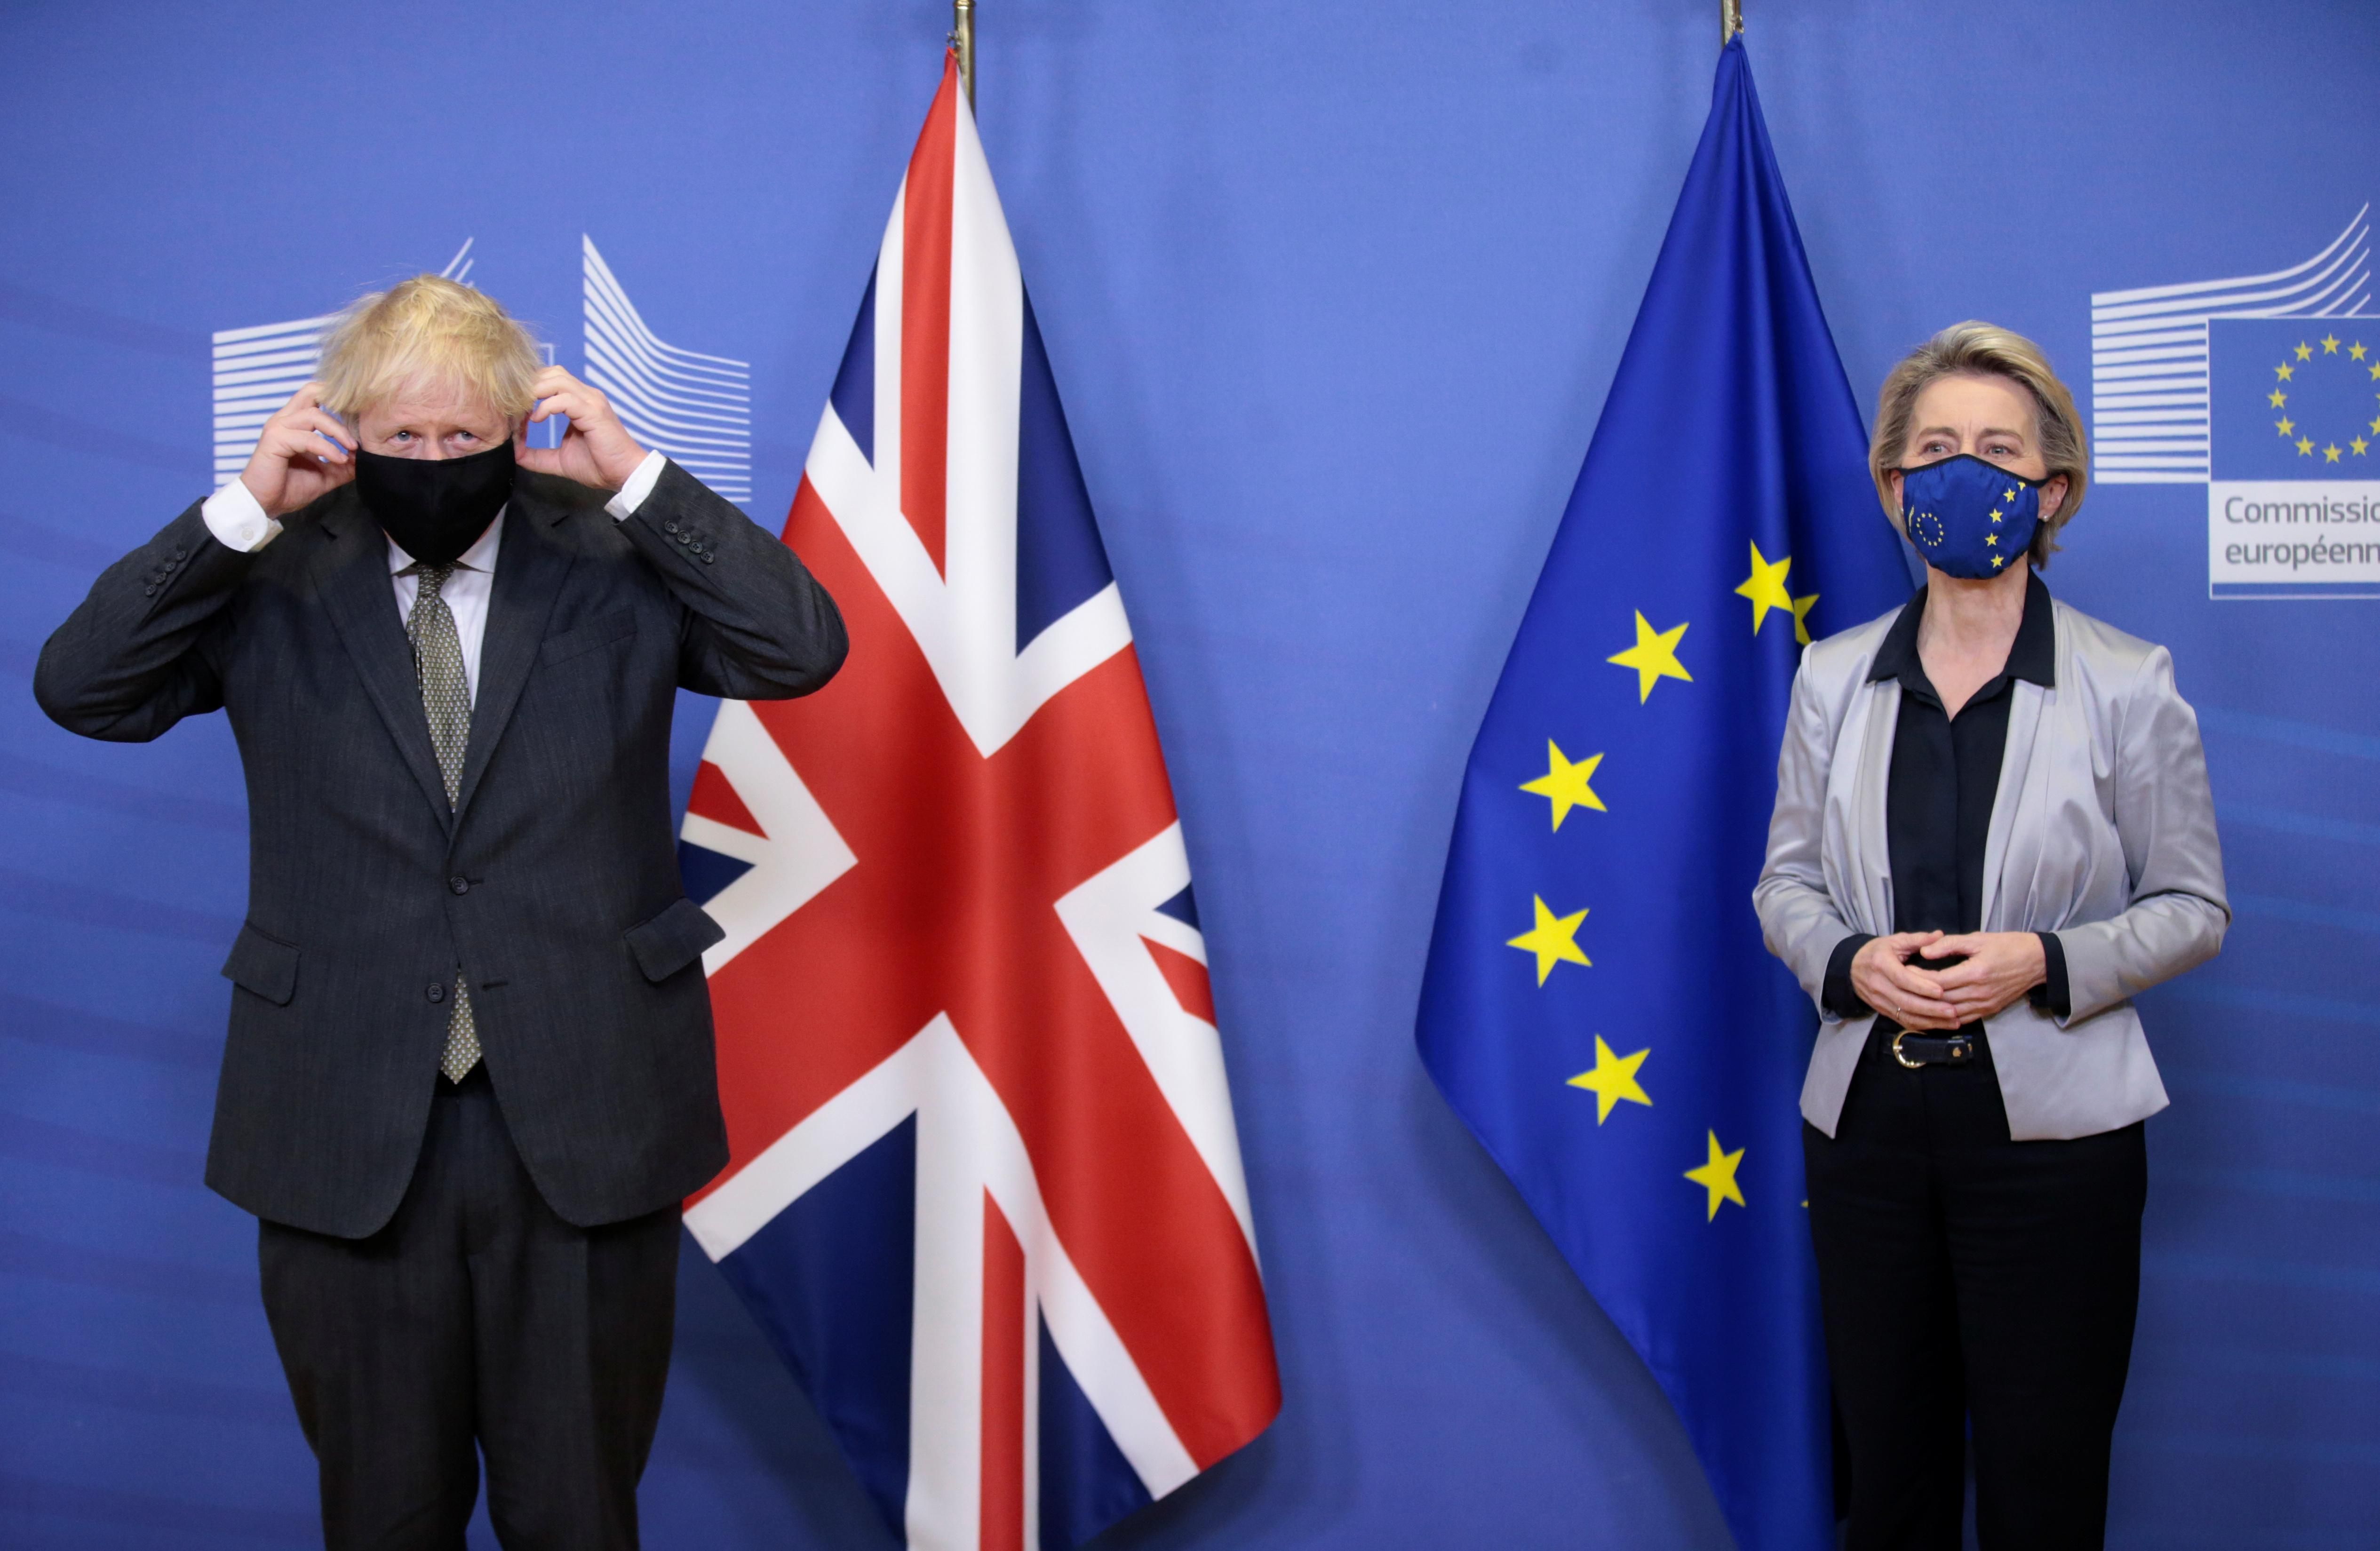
(554, 881)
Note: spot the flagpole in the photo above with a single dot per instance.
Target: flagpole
(963, 43)
(1730, 22)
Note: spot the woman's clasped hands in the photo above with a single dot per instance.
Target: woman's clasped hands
(1903, 975)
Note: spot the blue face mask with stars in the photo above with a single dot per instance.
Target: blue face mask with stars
(1969, 518)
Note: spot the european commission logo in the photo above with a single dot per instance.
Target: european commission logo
(2266, 388)
(2293, 501)
(696, 409)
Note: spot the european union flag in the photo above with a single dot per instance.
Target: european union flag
(1598, 1007)
(2295, 398)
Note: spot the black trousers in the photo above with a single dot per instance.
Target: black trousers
(476, 1317)
(1969, 1279)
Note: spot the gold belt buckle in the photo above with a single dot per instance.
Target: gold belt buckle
(1954, 1055)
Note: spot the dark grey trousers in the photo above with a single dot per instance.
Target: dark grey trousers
(477, 1321)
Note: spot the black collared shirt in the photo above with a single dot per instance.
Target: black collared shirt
(1946, 775)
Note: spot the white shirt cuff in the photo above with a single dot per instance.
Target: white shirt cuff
(234, 515)
(640, 485)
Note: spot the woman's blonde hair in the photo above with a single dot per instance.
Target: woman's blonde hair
(1977, 349)
(426, 329)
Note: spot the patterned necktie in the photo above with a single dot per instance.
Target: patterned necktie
(446, 700)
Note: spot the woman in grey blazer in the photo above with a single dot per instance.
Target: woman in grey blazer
(1993, 829)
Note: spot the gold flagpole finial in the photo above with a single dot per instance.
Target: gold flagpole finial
(1731, 20)
(962, 44)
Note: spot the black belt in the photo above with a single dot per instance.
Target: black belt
(1913, 1049)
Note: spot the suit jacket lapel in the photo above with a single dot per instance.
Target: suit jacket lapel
(351, 572)
(529, 570)
(2010, 851)
(1870, 839)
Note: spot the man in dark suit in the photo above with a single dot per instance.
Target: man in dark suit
(469, 1074)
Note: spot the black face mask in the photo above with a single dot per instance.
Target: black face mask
(433, 509)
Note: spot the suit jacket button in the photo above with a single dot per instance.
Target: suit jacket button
(179, 552)
(670, 527)
(436, 992)
(461, 884)
(149, 591)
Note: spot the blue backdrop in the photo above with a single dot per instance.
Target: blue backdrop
(1333, 292)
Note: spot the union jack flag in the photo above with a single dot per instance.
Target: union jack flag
(985, 1193)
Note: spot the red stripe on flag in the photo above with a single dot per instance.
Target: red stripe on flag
(1186, 975)
(714, 798)
(926, 318)
(951, 907)
(1000, 1526)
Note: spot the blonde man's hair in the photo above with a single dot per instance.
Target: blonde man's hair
(426, 329)
(1978, 349)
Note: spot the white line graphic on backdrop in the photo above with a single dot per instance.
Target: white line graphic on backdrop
(257, 369)
(2148, 355)
(694, 407)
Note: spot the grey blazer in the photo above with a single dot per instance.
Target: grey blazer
(2103, 832)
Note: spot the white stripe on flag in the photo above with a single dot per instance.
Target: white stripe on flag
(1108, 914)
(802, 854)
(966, 1146)
(987, 331)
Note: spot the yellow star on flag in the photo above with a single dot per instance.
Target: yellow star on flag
(2305, 351)
(2330, 454)
(2305, 446)
(1564, 784)
(2355, 351)
(1655, 656)
(2278, 398)
(1717, 1176)
(2375, 371)
(1802, 618)
(1765, 586)
(2376, 427)
(2357, 446)
(2284, 371)
(2330, 345)
(1554, 939)
(2285, 425)
(1613, 1079)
